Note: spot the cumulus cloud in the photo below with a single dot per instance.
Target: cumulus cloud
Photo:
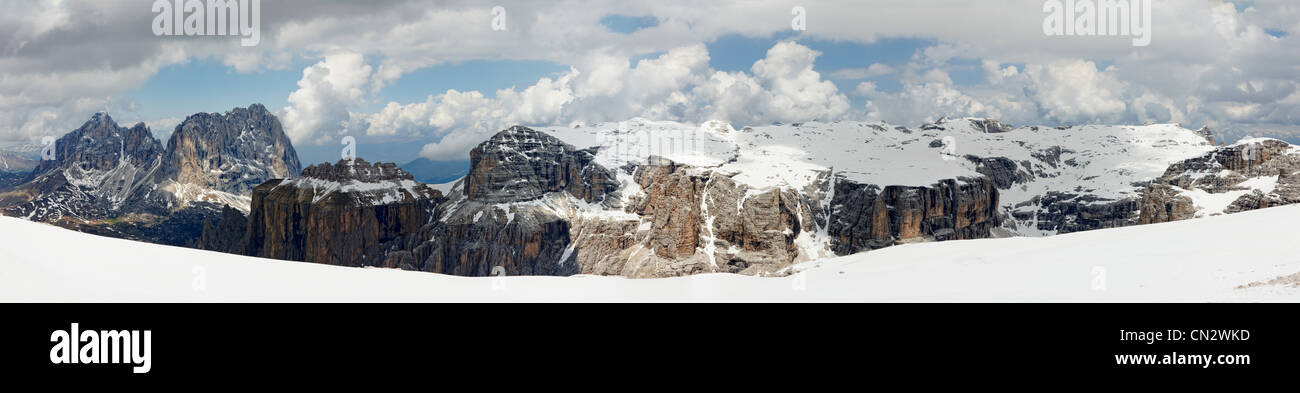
(319, 108)
(1074, 91)
(1210, 62)
(677, 85)
(921, 102)
(1068, 92)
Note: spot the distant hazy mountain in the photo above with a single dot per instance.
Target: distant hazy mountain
(436, 172)
(16, 162)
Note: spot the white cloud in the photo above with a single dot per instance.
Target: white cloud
(1070, 92)
(1208, 63)
(677, 85)
(866, 88)
(1074, 91)
(318, 110)
(919, 102)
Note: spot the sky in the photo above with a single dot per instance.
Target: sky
(432, 79)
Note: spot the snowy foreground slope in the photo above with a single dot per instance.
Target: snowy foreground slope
(1195, 260)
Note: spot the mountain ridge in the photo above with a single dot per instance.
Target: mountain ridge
(644, 198)
(121, 181)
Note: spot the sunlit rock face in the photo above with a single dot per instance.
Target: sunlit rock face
(1248, 175)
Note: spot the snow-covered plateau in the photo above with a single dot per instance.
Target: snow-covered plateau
(1248, 256)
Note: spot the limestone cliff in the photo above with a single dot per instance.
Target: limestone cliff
(869, 216)
(658, 199)
(520, 164)
(1248, 175)
(532, 204)
(350, 213)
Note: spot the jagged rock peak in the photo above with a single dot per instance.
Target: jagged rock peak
(254, 110)
(520, 164)
(229, 153)
(100, 117)
(100, 144)
(357, 169)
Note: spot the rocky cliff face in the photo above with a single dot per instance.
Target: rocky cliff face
(520, 209)
(869, 216)
(504, 213)
(226, 233)
(687, 220)
(476, 238)
(120, 181)
(101, 145)
(350, 213)
(520, 164)
(220, 158)
(1248, 175)
(95, 170)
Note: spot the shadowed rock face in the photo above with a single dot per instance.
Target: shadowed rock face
(521, 164)
(95, 170)
(477, 238)
(122, 182)
(227, 233)
(868, 217)
(349, 213)
(1067, 212)
(478, 233)
(1002, 171)
(100, 144)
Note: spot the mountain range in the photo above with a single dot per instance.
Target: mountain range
(121, 181)
(652, 199)
(642, 198)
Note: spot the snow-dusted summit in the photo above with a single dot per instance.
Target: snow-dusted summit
(120, 181)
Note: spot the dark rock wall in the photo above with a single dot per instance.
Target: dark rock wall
(339, 228)
(867, 217)
(521, 164)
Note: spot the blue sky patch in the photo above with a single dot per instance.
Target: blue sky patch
(624, 24)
